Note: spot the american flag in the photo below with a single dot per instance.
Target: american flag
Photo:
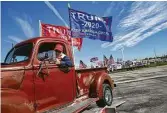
(111, 60)
(94, 59)
(82, 65)
(105, 60)
(100, 63)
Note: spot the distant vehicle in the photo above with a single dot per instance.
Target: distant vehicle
(129, 65)
(139, 64)
(118, 66)
(32, 83)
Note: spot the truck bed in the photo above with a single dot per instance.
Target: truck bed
(86, 78)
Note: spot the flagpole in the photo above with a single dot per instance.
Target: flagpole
(123, 54)
(122, 51)
(71, 35)
(40, 28)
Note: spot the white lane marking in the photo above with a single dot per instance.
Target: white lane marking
(116, 104)
(140, 79)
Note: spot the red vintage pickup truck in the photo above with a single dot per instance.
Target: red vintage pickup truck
(32, 83)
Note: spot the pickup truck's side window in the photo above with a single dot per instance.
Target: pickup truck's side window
(48, 48)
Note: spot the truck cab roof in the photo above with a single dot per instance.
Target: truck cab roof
(37, 39)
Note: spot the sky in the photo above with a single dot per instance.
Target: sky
(138, 27)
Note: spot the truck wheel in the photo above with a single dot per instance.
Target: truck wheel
(107, 96)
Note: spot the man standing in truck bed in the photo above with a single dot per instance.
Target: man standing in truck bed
(61, 59)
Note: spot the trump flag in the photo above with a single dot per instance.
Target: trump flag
(61, 32)
(85, 25)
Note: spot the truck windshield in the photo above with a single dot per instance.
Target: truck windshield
(19, 54)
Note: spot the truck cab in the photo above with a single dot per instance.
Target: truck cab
(32, 82)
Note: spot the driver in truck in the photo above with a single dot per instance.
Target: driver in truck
(61, 59)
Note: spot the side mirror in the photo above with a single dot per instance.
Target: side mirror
(46, 56)
(43, 56)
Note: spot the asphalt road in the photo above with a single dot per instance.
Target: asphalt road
(144, 90)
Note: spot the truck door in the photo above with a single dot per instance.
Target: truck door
(53, 87)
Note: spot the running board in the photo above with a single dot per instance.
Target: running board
(76, 107)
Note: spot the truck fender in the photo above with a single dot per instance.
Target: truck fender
(100, 80)
(15, 101)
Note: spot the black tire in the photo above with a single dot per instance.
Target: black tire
(107, 96)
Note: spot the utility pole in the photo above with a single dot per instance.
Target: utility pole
(155, 53)
(155, 56)
(122, 51)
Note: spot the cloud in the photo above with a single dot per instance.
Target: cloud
(25, 26)
(105, 45)
(8, 41)
(16, 39)
(120, 13)
(134, 41)
(116, 8)
(75, 49)
(109, 9)
(94, 2)
(144, 19)
(55, 12)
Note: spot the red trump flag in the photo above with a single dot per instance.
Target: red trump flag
(61, 32)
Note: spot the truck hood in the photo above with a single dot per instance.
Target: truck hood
(12, 75)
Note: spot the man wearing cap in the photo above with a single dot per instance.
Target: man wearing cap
(61, 59)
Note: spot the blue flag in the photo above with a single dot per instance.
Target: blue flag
(85, 25)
